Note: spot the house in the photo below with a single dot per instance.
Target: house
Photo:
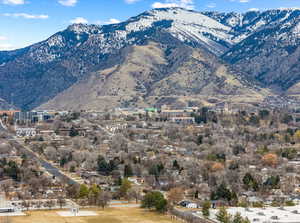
(192, 205)
(188, 204)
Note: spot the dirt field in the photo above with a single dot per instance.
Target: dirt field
(111, 215)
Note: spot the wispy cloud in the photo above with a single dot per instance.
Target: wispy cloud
(25, 16)
(13, 2)
(241, 1)
(3, 45)
(211, 5)
(131, 1)
(79, 20)
(189, 4)
(6, 46)
(3, 38)
(68, 2)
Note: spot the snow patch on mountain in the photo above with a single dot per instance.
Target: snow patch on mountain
(189, 26)
(296, 30)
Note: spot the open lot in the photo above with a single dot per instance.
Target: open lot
(110, 215)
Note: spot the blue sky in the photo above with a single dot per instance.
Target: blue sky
(24, 22)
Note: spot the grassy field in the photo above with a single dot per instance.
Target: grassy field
(111, 215)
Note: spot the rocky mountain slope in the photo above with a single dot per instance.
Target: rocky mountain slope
(164, 55)
(157, 73)
(271, 52)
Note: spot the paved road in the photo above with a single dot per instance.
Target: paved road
(46, 165)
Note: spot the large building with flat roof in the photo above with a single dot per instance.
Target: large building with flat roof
(265, 215)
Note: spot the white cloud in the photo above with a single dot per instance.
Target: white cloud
(13, 2)
(189, 4)
(26, 16)
(79, 20)
(163, 5)
(253, 10)
(3, 38)
(110, 21)
(113, 21)
(6, 46)
(131, 1)
(68, 2)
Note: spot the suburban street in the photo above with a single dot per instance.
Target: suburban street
(52, 170)
(45, 164)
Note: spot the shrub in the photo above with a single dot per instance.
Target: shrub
(290, 203)
(258, 204)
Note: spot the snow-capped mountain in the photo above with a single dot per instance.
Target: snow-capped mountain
(270, 51)
(248, 41)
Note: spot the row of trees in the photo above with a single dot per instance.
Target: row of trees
(92, 195)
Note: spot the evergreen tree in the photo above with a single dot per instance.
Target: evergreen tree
(125, 187)
(161, 205)
(83, 191)
(223, 216)
(62, 161)
(223, 192)
(103, 166)
(237, 218)
(73, 132)
(205, 208)
(250, 182)
(176, 165)
(246, 220)
(128, 171)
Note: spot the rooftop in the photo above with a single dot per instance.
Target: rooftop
(269, 214)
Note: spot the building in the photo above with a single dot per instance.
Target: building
(9, 113)
(267, 214)
(5, 206)
(166, 112)
(183, 120)
(32, 116)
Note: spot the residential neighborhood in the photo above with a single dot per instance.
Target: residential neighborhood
(246, 162)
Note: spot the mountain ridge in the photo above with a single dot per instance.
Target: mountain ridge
(76, 53)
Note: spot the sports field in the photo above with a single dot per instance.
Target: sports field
(110, 215)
